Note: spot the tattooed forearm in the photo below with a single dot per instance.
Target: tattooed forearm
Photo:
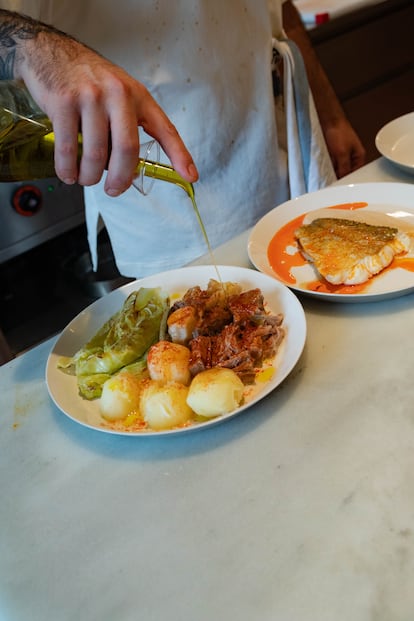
(16, 30)
(12, 28)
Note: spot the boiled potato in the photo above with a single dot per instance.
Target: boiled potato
(181, 324)
(214, 392)
(120, 396)
(164, 406)
(169, 362)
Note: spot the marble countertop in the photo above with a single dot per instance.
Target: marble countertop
(299, 509)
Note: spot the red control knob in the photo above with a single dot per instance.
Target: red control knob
(27, 200)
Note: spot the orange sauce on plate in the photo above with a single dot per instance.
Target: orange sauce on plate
(283, 251)
(283, 255)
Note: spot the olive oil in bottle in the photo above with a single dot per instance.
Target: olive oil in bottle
(27, 142)
(27, 146)
(23, 153)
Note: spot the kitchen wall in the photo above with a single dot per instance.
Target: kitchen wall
(368, 54)
(29, 7)
(309, 9)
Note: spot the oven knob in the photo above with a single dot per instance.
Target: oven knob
(27, 200)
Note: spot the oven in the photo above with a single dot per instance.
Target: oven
(42, 224)
(46, 275)
(33, 212)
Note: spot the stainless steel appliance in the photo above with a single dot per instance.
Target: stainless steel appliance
(33, 212)
(46, 276)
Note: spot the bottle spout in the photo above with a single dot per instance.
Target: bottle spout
(163, 172)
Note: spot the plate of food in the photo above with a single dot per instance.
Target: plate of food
(350, 243)
(395, 141)
(177, 351)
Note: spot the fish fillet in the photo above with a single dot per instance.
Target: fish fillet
(350, 252)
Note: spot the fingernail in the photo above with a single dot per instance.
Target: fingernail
(192, 171)
(69, 181)
(113, 192)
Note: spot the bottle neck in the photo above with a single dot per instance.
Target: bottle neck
(163, 172)
(22, 123)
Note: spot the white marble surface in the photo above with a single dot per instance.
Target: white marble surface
(299, 509)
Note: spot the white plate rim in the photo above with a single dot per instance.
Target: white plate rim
(398, 195)
(389, 134)
(62, 388)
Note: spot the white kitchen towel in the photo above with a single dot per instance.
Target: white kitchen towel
(309, 164)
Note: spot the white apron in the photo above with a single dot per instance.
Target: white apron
(208, 64)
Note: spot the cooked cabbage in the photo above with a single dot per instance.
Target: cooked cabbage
(123, 340)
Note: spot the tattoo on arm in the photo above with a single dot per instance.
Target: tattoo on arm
(14, 30)
(6, 65)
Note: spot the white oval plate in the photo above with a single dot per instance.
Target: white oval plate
(63, 388)
(395, 141)
(393, 199)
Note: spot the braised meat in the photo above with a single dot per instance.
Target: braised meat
(211, 306)
(234, 331)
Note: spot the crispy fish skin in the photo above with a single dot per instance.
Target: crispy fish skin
(350, 252)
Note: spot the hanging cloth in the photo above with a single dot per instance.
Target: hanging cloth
(309, 164)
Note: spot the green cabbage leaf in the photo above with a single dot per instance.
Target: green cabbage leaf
(123, 340)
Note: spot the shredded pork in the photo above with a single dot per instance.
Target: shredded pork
(232, 329)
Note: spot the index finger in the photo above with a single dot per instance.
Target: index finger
(156, 123)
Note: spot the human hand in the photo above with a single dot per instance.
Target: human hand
(81, 91)
(345, 148)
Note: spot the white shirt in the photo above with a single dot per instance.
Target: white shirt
(207, 63)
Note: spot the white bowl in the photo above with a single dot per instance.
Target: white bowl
(395, 141)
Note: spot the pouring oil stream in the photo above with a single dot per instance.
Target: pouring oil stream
(164, 172)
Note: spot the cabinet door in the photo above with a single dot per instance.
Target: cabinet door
(369, 58)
